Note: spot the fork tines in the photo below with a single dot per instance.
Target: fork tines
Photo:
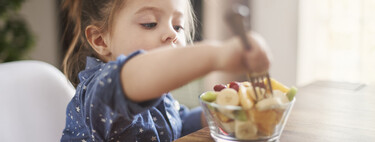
(258, 80)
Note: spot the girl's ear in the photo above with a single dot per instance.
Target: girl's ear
(97, 40)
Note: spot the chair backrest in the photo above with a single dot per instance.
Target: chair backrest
(33, 100)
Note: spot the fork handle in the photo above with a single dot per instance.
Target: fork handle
(236, 23)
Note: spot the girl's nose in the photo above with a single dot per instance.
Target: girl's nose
(169, 36)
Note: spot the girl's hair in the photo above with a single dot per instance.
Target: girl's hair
(82, 13)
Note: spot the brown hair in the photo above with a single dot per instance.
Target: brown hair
(82, 13)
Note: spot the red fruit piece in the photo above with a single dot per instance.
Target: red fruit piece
(219, 87)
(234, 85)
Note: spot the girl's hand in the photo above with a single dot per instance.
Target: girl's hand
(256, 60)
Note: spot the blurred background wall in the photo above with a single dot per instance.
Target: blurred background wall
(43, 20)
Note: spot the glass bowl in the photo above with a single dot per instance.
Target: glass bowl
(234, 124)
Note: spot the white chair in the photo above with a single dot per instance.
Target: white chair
(33, 100)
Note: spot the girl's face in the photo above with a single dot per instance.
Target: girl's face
(147, 24)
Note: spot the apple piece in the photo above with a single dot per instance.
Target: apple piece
(266, 121)
(228, 126)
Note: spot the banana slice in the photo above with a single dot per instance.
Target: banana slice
(281, 95)
(260, 92)
(246, 101)
(246, 84)
(250, 92)
(228, 96)
(268, 103)
(245, 130)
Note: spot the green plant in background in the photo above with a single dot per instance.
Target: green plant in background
(15, 38)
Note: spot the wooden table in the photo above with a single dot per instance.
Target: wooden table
(324, 112)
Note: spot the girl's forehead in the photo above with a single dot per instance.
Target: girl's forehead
(136, 6)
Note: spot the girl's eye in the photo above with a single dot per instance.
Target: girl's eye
(149, 25)
(178, 28)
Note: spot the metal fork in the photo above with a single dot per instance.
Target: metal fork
(235, 19)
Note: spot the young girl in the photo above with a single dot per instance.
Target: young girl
(127, 55)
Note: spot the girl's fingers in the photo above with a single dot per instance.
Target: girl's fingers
(257, 58)
(257, 62)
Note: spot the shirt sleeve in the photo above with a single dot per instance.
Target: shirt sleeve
(191, 120)
(106, 105)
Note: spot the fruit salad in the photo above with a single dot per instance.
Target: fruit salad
(235, 110)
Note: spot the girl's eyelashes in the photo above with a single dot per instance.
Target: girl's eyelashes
(149, 25)
(178, 28)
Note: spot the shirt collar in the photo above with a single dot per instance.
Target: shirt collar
(92, 62)
(92, 65)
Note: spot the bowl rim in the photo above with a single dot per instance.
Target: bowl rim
(231, 107)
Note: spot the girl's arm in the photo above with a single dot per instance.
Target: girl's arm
(148, 76)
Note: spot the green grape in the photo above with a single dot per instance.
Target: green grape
(209, 96)
(291, 93)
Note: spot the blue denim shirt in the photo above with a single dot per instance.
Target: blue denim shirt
(100, 111)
